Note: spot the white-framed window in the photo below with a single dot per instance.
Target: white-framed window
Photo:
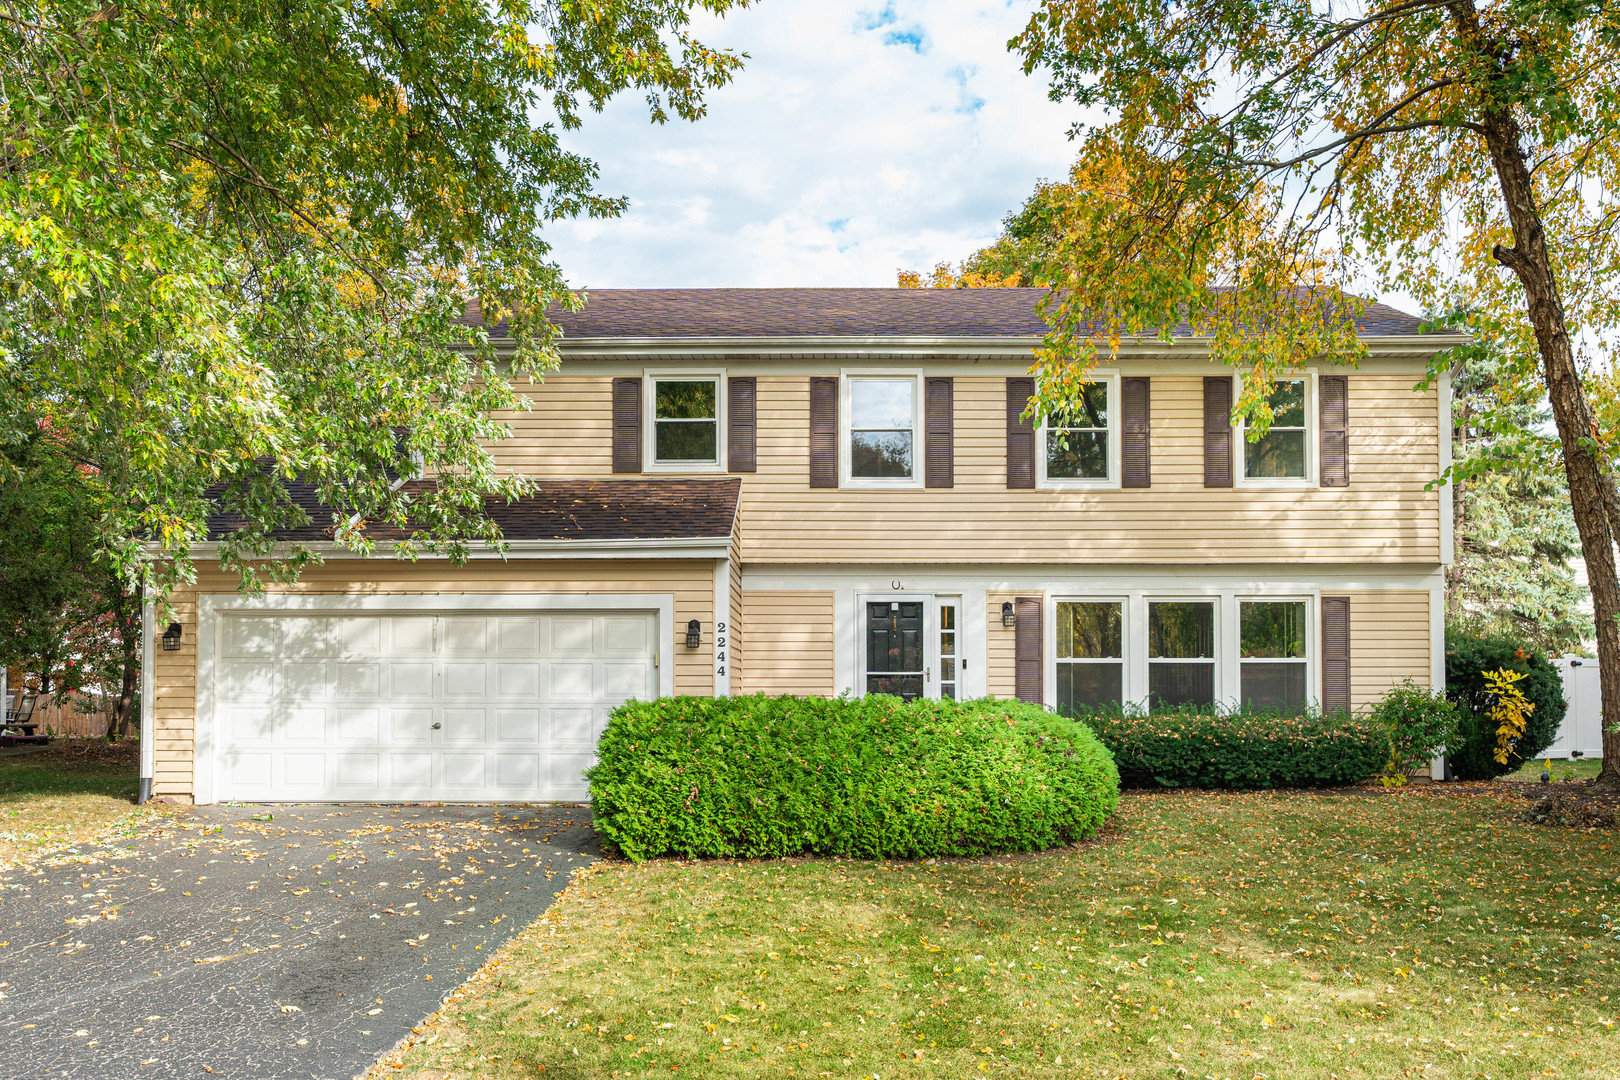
(1080, 448)
(1274, 642)
(881, 430)
(1285, 455)
(1090, 655)
(685, 425)
(1181, 657)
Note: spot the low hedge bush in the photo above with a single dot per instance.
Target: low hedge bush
(763, 777)
(1468, 657)
(1243, 750)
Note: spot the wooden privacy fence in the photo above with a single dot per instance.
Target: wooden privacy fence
(66, 720)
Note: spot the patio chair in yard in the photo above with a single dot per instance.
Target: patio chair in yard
(19, 728)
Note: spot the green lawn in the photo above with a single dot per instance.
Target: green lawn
(1221, 935)
(1562, 769)
(75, 791)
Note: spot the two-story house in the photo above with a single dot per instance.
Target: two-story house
(826, 491)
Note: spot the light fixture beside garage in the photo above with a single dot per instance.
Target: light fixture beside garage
(171, 638)
(694, 634)
(1007, 616)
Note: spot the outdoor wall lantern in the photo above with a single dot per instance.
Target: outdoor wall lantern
(171, 638)
(1007, 616)
(694, 634)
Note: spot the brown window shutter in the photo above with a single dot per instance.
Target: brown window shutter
(1217, 431)
(1334, 392)
(1027, 639)
(824, 431)
(940, 433)
(1136, 468)
(627, 425)
(1020, 434)
(1335, 654)
(741, 417)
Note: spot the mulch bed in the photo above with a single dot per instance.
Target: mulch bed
(1572, 805)
(97, 754)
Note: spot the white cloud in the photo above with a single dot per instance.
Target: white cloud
(862, 136)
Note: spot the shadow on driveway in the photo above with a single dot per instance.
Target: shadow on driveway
(266, 941)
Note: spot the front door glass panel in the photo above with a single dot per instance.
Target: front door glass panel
(895, 646)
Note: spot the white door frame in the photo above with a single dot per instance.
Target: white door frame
(211, 607)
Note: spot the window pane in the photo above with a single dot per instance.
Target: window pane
(685, 400)
(1089, 631)
(1171, 685)
(881, 403)
(1084, 687)
(947, 670)
(947, 616)
(1091, 413)
(948, 692)
(1181, 630)
(1275, 686)
(880, 453)
(1277, 454)
(1274, 629)
(1287, 401)
(685, 440)
(908, 687)
(1076, 455)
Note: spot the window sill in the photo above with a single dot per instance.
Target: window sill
(683, 467)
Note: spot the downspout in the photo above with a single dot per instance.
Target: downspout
(148, 734)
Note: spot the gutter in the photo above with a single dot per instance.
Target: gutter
(685, 547)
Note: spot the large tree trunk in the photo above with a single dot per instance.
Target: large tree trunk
(129, 633)
(1588, 484)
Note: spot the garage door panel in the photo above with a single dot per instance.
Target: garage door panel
(408, 681)
(352, 725)
(305, 724)
(357, 636)
(518, 726)
(410, 635)
(466, 637)
(253, 637)
(354, 681)
(327, 706)
(572, 636)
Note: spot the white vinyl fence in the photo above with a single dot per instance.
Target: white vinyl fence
(1582, 728)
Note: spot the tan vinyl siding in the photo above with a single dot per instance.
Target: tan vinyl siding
(567, 433)
(1001, 652)
(1385, 515)
(691, 582)
(736, 629)
(1389, 641)
(790, 643)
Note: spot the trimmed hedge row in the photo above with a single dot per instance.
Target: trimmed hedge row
(764, 777)
(1245, 750)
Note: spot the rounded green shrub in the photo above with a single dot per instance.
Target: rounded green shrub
(1468, 657)
(764, 777)
(1420, 722)
(1247, 749)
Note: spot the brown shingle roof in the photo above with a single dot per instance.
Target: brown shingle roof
(672, 509)
(968, 313)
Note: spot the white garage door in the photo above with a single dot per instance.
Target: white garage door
(413, 707)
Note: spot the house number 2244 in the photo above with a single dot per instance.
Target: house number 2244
(719, 648)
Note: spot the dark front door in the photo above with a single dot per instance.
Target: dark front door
(894, 648)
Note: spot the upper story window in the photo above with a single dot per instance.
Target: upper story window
(1077, 448)
(684, 417)
(1283, 453)
(1273, 668)
(881, 432)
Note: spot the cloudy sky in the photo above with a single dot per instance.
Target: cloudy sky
(862, 136)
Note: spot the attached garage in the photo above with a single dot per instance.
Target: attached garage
(387, 680)
(389, 705)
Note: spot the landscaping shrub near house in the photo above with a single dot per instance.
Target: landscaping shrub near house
(764, 777)
(1248, 749)
(1420, 722)
(1468, 658)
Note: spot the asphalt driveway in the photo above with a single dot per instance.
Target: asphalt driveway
(266, 941)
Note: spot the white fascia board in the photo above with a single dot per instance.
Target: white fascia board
(855, 347)
(699, 547)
